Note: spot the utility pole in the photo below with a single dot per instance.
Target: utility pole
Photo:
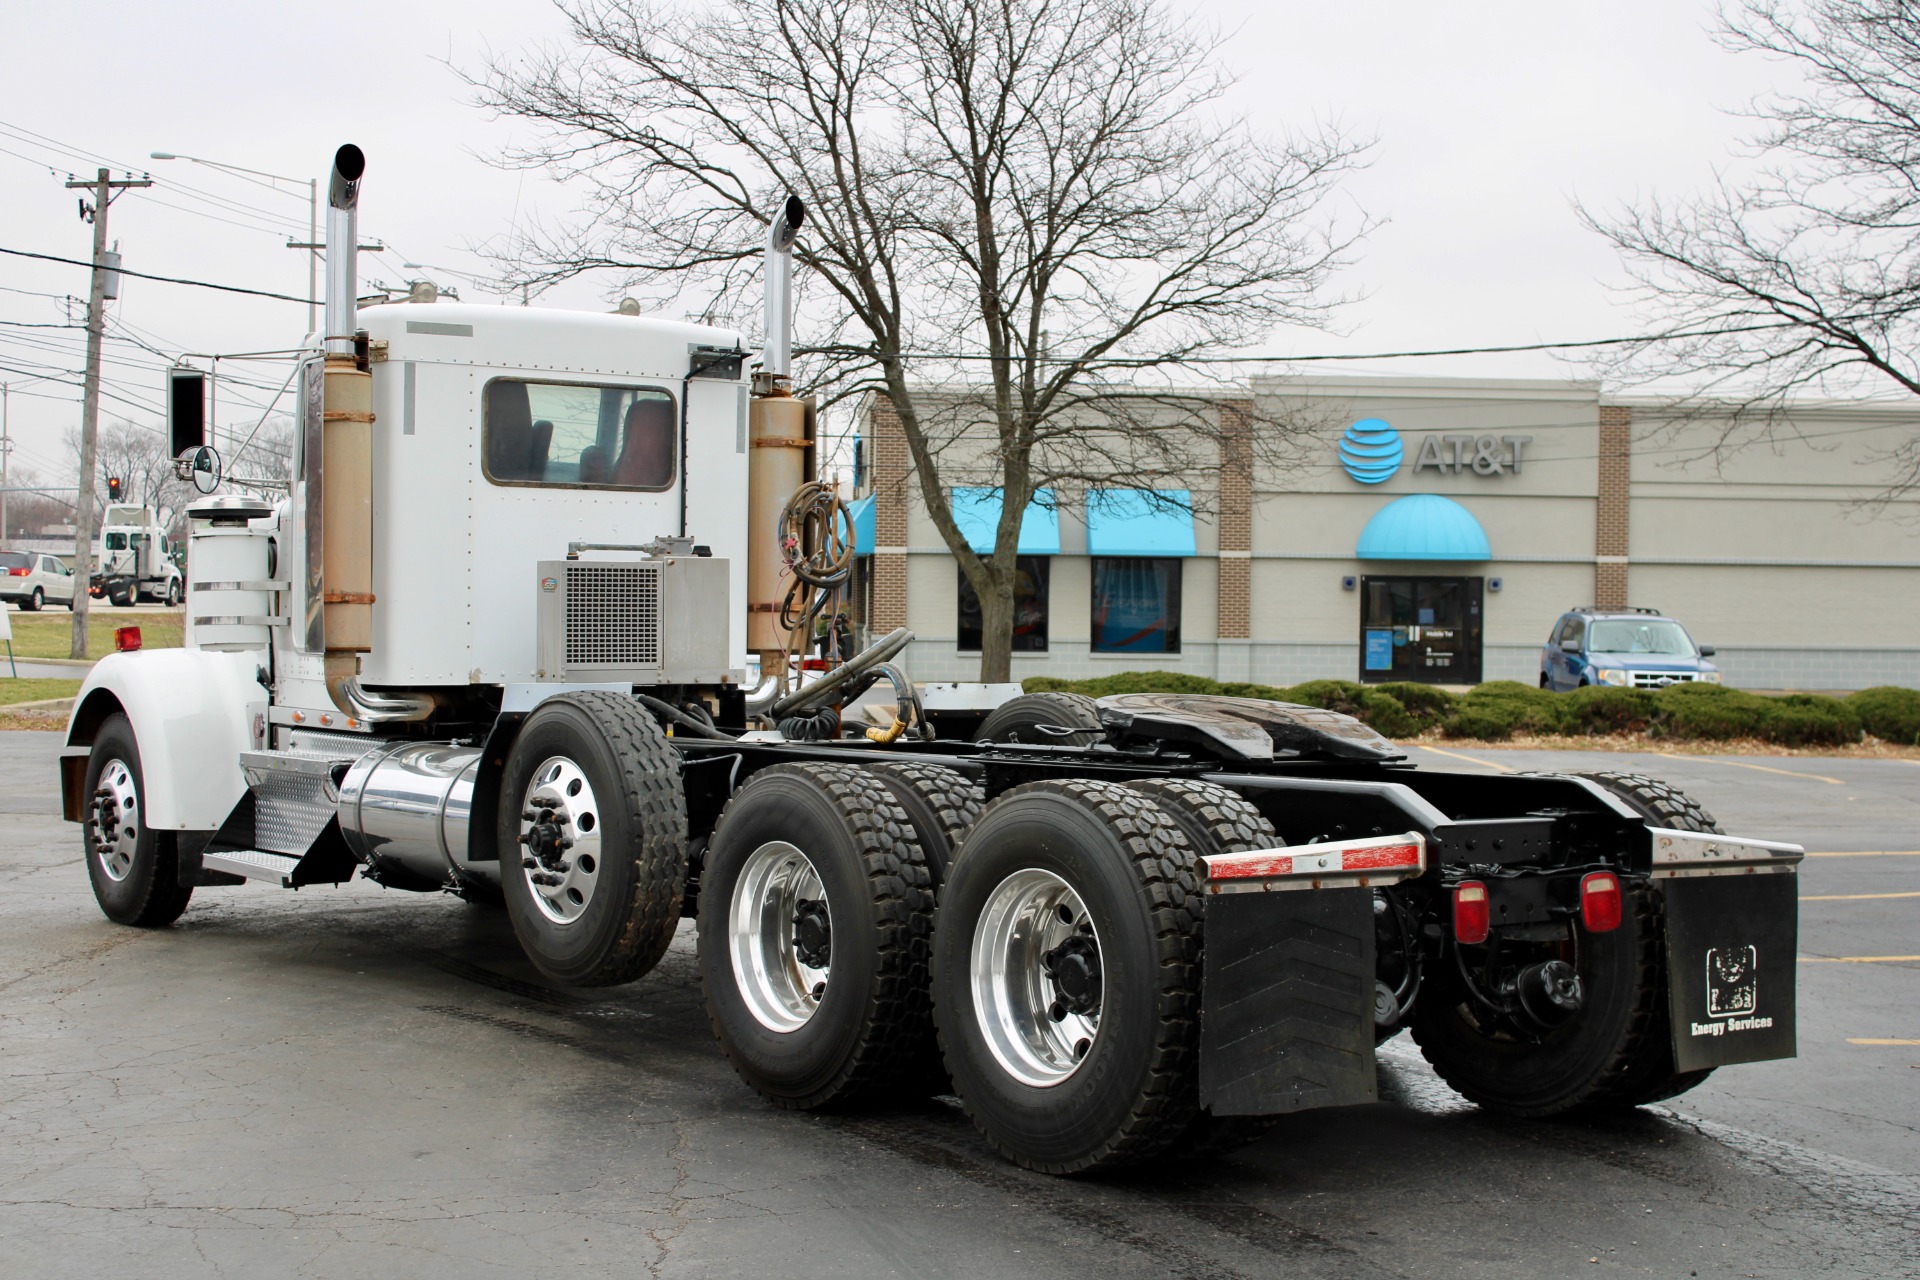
(6, 449)
(103, 188)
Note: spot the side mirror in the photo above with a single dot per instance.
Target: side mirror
(1706, 651)
(1569, 646)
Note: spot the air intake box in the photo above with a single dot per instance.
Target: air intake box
(655, 621)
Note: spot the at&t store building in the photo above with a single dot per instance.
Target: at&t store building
(1437, 534)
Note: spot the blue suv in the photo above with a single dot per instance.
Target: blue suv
(1627, 648)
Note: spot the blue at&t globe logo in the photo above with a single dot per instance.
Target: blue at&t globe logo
(1370, 451)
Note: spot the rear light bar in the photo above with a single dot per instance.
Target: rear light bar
(1699, 853)
(1472, 913)
(19, 573)
(1601, 903)
(1337, 864)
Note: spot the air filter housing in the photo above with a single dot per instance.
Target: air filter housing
(655, 621)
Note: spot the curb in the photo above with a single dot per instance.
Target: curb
(43, 704)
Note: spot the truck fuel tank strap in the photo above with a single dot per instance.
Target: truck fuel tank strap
(1678, 854)
(1337, 864)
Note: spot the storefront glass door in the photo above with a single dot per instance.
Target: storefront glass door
(1425, 629)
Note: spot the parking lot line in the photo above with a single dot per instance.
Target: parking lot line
(1865, 1040)
(1859, 959)
(1878, 853)
(1854, 897)
(1741, 764)
(1470, 759)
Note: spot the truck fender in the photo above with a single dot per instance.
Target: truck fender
(193, 712)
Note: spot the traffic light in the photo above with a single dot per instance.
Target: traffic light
(113, 488)
(186, 409)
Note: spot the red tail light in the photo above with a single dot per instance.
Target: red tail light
(1472, 914)
(19, 573)
(1600, 901)
(126, 639)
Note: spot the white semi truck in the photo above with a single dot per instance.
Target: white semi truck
(494, 640)
(133, 558)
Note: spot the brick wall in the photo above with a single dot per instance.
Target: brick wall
(1610, 518)
(1236, 519)
(892, 468)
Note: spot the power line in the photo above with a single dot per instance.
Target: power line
(142, 275)
(1145, 362)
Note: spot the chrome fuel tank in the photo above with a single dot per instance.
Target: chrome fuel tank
(407, 808)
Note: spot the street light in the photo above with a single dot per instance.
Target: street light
(313, 221)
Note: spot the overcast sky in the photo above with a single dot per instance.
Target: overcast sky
(1491, 117)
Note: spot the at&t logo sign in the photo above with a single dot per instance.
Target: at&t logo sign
(1371, 452)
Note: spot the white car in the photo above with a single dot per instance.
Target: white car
(32, 579)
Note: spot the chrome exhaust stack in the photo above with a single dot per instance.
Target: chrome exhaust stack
(339, 474)
(780, 453)
(776, 359)
(343, 247)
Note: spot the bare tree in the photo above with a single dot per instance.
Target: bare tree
(1040, 195)
(1806, 279)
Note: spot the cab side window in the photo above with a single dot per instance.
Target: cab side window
(1575, 630)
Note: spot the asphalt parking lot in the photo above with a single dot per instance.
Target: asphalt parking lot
(356, 1082)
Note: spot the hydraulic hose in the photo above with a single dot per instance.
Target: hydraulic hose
(667, 711)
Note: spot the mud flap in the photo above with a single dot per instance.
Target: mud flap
(1286, 1019)
(1732, 944)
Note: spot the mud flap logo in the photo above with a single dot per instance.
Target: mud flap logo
(1733, 981)
(1733, 991)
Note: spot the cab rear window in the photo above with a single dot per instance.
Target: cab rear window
(569, 435)
(15, 560)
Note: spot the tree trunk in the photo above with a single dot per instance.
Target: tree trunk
(996, 630)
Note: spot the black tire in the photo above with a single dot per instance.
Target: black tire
(1214, 820)
(640, 816)
(1133, 1093)
(121, 597)
(1652, 1076)
(147, 891)
(73, 600)
(35, 602)
(1047, 719)
(173, 593)
(865, 1033)
(940, 804)
(1616, 1052)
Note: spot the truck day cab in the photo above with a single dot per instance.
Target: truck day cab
(494, 638)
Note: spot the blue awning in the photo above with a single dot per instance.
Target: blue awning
(1134, 522)
(977, 512)
(862, 511)
(1423, 526)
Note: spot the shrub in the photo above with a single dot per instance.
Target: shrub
(1709, 711)
(1599, 709)
(1889, 713)
(1479, 722)
(1428, 704)
(1344, 696)
(1808, 720)
(1520, 708)
(1124, 682)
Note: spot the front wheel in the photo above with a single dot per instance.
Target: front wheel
(593, 839)
(173, 593)
(1066, 976)
(134, 869)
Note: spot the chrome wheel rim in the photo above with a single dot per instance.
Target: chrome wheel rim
(1037, 978)
(560, 840)
(114, 828)
(775, 927)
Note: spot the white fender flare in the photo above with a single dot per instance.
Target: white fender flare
(192, 713)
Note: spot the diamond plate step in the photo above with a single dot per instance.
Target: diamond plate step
(254, 865)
